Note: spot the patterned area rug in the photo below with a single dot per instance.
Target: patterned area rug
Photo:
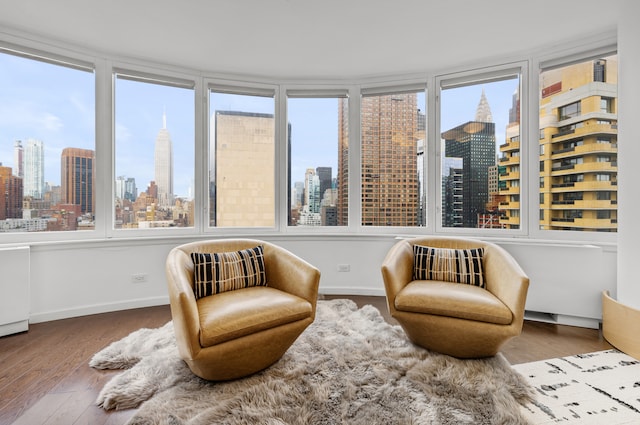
(596, 388)
(349, 367)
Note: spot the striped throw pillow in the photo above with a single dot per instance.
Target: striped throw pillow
(450, 265)
(218, 272)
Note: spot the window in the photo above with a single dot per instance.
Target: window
(167, 155)
(479, 121)
(392, 164)
(592, 141)
(154, 152)
(569, 111)
(242, 160)
(318, 158)
(599, 70)
(604, 214)
(606, 105)
(47, 144)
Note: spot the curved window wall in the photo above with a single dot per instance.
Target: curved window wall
(94, 150)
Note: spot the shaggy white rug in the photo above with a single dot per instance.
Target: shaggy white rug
(586, 389)
(349, 367)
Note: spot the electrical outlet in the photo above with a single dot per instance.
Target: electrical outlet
(344, 268)
(139, 277)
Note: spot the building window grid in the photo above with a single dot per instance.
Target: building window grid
(588, 167)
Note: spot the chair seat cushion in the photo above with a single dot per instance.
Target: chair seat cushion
(452, 300)
(234, 314)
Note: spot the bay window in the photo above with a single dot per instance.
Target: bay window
(178, 150)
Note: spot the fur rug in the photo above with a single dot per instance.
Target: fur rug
(349, 367)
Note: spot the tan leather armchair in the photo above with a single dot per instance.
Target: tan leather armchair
(457, 319)
(237, 333)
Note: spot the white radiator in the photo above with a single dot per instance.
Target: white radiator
(566, 281)
(14, 290)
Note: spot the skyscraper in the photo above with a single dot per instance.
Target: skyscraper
(509, 169)
(130, 189)
(579, 146)
(390, 188)
(475, 143)
(10, 194)
(244, 170)
(18, 159)
(119, 189)
(324, 174)
(312, 191)
(78, 179)
(452, 192)
(164, 165)
(33, 183)
(342, 203)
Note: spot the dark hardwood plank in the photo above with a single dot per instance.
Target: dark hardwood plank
(540, 341)
(45, 376)
(52, 358)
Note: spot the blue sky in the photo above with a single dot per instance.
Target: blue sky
(45, 102)
(56, 105)
(139, 111)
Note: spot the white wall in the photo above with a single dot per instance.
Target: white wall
(91, 277)
(628, 285)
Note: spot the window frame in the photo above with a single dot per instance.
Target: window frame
(336, 90)
(102, 64)
(240, 88)
(413, 85)
(134, 72)
(519, 69)
(311, 92)
(583, 52)
(30, 50)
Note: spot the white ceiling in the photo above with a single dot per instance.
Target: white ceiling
(293, 39)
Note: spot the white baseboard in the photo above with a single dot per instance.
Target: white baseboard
(340, 290)
(97, 309)
(562, 319)
(14, 328)
(150, 302)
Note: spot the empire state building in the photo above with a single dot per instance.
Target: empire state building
(164, 165)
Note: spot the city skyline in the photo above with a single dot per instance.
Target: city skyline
(144, 111)
(62, 116)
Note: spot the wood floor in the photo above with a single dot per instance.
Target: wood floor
(45, 377)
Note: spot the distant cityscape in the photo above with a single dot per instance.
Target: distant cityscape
(32, 205)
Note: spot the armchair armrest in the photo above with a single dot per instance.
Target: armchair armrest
(506, 280)
(290, 273)
(397, 270)
(184, 310)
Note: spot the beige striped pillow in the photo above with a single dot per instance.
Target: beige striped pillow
(450, 265)
(218, 272)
